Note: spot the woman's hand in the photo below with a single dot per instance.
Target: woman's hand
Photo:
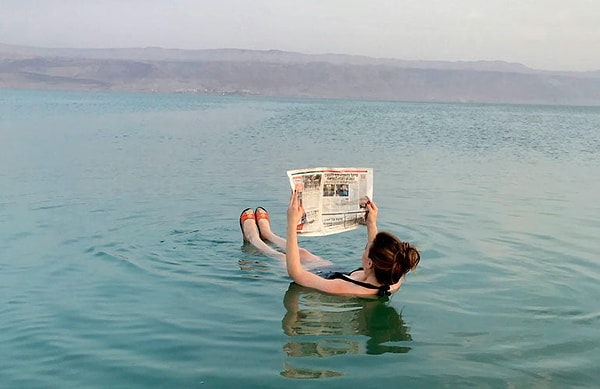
(294, 212)
(372, 212)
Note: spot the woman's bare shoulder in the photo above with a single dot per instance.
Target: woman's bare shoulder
(340, 286)
(394, 288)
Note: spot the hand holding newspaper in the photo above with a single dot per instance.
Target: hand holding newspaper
(333, 199)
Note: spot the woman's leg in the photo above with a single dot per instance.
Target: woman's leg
(251, 236)
(264, 226)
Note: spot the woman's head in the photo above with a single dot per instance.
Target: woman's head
(391, 258)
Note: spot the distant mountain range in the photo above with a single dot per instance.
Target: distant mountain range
(280, 73)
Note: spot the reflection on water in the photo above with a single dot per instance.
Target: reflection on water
(252, 266)
(322, 326)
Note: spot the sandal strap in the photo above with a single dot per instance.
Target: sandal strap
(245, 216)
(261, 213)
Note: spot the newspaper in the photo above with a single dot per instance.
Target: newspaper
(333, 199)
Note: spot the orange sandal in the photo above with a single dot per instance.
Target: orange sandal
(245, 215)
(261, 213)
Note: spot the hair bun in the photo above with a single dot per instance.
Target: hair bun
(400, 257)
(405, 247)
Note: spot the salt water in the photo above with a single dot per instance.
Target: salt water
(122, 263)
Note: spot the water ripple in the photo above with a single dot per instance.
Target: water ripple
(122, 262)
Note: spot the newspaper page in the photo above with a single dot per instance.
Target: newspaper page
(333, 199)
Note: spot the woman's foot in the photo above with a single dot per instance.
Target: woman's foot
(263, 222)
(248, 224)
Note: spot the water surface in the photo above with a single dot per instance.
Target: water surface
(122, 264)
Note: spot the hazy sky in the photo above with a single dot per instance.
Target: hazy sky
(543, 34)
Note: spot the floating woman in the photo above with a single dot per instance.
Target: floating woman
(384, 262)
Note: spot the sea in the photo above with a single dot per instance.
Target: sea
(122, 264)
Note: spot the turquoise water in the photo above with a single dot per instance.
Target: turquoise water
(122, 264)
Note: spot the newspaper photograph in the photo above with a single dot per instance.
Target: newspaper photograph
(333, 199)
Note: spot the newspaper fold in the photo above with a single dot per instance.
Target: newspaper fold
(334, 199)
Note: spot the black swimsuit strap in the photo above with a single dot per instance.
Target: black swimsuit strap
(383, 290)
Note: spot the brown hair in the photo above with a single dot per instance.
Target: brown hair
(392, 258)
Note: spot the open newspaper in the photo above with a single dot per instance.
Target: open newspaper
(334, 199)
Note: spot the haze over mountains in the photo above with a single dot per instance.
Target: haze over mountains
(279, 73)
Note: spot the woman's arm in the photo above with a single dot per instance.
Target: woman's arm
(292, 253)
(372, 212)
(292, 259)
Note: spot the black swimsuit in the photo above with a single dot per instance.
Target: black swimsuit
(383, 290)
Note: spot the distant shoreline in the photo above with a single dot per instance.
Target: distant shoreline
(285, 74)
